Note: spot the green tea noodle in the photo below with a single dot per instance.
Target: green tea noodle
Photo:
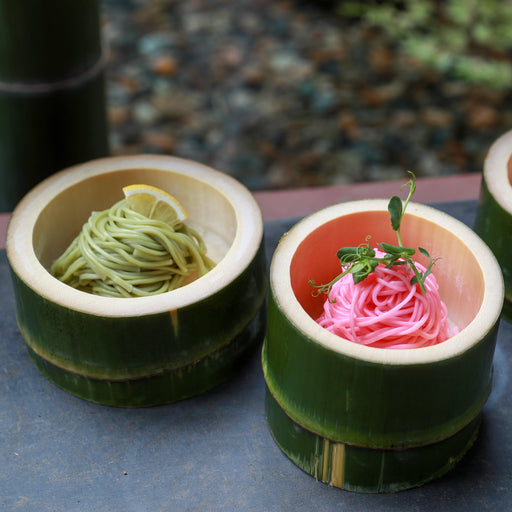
(122, 253)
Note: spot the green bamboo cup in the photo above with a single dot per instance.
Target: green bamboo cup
(367, 419)
(494, 213)
(146, 350)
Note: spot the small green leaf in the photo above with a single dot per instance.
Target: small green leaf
(396, 249)
(347, 251)
(395, 212)
(424, 252)
(373, 265)
(416, 280)
(359, 277)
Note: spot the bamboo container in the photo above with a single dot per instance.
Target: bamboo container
(52, 91)
(494, 214)
(367, 419)
(146, 350)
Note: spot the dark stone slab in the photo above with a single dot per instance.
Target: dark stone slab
(210, 453)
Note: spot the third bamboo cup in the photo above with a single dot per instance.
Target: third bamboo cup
(494, 215)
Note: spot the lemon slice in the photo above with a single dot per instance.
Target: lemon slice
(154, 203)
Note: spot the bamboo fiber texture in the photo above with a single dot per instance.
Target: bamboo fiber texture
(494, 224)
(368, 427)
(52, 91)
(367, 419)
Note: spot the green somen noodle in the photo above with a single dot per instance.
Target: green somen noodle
(122, 253)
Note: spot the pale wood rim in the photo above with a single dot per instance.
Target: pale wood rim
(483, 322)
(24, 262)
(498, 171)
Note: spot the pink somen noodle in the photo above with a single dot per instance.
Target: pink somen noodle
(386, 311)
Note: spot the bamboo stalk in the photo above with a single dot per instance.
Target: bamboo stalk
(52, 91)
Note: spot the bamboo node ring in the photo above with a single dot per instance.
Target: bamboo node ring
(57, 85)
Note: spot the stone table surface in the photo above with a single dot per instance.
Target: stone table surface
(213, 452)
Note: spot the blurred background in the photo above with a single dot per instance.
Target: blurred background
(290, 93)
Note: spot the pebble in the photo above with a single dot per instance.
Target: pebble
(284, 93)
(144, 112)
(118, 115)
(165, 65)
(155, 43)
(483, 116)
(438, 117)
(159, 141)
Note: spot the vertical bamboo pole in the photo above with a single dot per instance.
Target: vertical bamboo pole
(52, 91)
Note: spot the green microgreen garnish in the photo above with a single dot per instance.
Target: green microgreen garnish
(361, 261)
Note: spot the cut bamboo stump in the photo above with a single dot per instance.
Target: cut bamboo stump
(52, 91)
(367, 419)
(145, 350)
(494, 214)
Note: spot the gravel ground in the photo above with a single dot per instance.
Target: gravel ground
(282, 94)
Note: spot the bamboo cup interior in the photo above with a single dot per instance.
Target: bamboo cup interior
(469, 277)
(50, 216)
(460, 278)
(210, 211)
